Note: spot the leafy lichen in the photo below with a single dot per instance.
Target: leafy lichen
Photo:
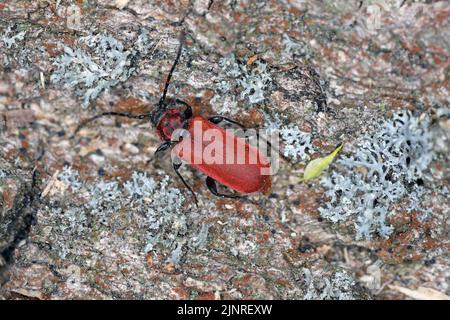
(86, 210)
(297, 144)
(294, 48)
(251, 81)
(388, 166)
(254, 81)
(70, 178)
(338, 286)
(11, 38)
(104, 64)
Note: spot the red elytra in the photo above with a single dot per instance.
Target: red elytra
(228, 159)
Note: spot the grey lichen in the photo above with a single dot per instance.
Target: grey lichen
(252, 82)
(103, 64)
(12, 48)
(11, 38)
(201, 239)
(70, 178)
(296, 144)
(294, 48)
(338, 286)
(388, 166)
(86, 210)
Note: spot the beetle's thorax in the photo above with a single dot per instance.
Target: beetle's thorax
(170, 121)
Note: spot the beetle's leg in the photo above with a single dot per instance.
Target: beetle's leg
(212, 186)
(219, 119)
(163, 147)
(176, 167)
(176, 164)
(104, 114)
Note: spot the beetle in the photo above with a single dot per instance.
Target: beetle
(171, 115)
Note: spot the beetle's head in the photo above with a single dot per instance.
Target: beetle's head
(171, 120)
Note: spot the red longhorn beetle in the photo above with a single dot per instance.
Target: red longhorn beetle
(244, 178)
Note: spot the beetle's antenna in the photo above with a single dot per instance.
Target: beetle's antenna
(172, 69)
(161, 104)
(105, 114)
